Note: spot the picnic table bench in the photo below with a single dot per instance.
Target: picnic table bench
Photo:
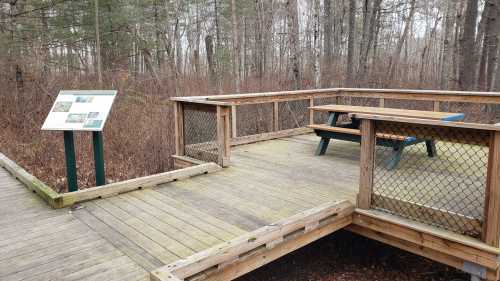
(350, 131)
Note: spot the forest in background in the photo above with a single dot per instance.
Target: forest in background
(151, 50)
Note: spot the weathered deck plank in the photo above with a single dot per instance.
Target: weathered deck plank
(125, 236)
(39, 243)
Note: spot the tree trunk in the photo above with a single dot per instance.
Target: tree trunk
(236, 47)
(217, 62)
(327, 44)
(467, 64)
(316, 50)
(447, 37)
(350, 44)
(293, 37)
(98, 43)
(368, 38)
(496, 82)
(363, 44)
(212, 76)
(395, 57)
(177, 38)
(490, 45)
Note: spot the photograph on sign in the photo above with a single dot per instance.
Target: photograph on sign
(80, 110)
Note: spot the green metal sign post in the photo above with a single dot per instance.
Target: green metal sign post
(84, 111)
(100, 176)
(69, 151)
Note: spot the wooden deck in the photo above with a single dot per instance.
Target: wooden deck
(126, 236)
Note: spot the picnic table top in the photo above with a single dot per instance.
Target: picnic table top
(433, 115)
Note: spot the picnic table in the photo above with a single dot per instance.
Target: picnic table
(350, 131)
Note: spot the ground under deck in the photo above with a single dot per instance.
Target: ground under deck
(126, 236)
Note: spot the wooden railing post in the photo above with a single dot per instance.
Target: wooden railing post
(366, 163)
(276, 126)
(491, 225)
(179, 128)
(223, 134)
(311, 113)
(436, 105)
(234, 132)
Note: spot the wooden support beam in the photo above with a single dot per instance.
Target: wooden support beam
(223, 134)
(491, 226)
(179, 128)
(181, 162)
(367, 160)
(432, 215)
(422, 235)
(381, 102)
(417, 249)
(270, 136)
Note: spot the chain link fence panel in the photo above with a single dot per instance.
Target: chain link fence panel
(200, 132)
(433, 175)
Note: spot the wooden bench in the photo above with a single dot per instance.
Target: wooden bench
(350, 131)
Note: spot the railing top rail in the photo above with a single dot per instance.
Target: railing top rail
(476, 126)
(200, 100)
(438, 95)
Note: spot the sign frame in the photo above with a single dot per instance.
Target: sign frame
(91, 105)
(80, 110)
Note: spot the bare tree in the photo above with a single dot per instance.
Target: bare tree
(293, 38)
(98, 43)
(447, 38)
(316, 47)
(490, 45)
(370, 11)
(236, 47)
(209, 49)
(397, 53)
(327, 44)
(467, 64)
(350, 44)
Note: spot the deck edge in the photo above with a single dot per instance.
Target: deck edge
(437, 244)
(245, 253)
(31, 182)
(116, 188)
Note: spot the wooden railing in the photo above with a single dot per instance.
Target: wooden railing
(459, 189)
(245, 118)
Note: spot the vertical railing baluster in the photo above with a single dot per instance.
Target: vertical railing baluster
(223, 134)
(367, 163)
(179, 128)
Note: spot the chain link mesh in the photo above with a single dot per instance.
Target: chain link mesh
(440, 178)
(293, 114)
(200, 132)
(253, 119)
(474, 112)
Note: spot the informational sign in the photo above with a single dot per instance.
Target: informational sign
(80, 111)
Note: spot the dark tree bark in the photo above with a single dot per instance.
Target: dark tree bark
(350, 44)
(209, 49)
(293, 37)
(467, 64)
(327, 44)
(490, 45)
